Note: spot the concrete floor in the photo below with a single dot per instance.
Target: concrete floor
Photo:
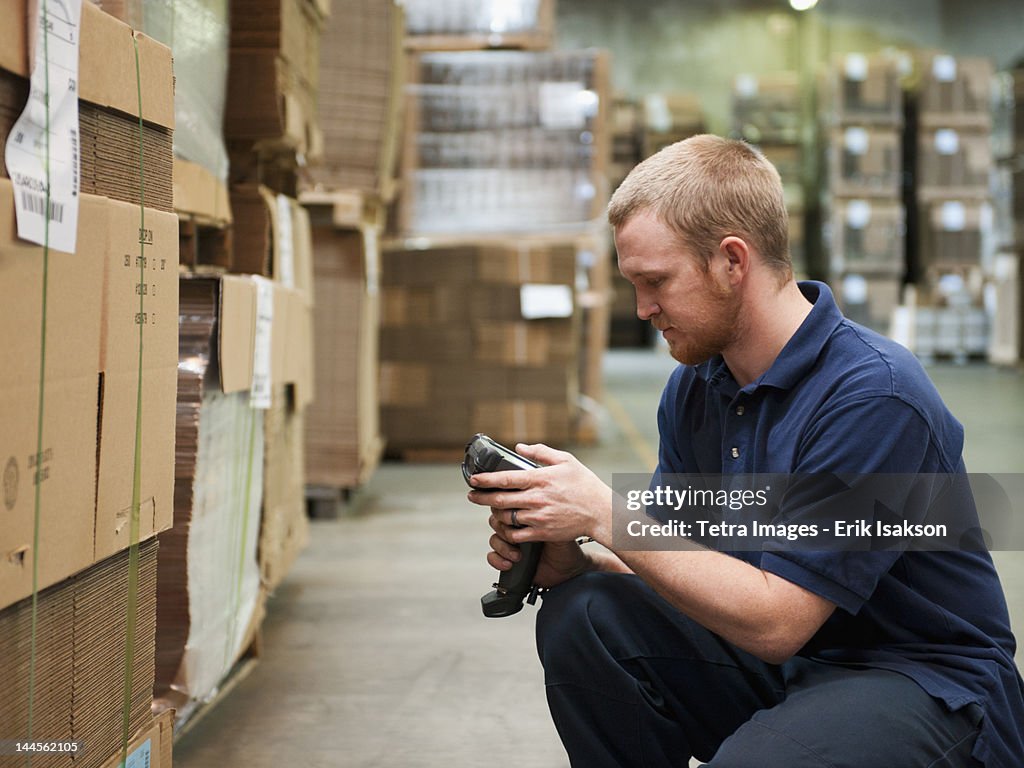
(375, 652)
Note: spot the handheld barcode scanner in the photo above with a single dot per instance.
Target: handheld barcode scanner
(516, 584)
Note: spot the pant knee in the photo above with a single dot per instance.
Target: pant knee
(569, 623)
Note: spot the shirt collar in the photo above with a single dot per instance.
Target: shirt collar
(800, 352)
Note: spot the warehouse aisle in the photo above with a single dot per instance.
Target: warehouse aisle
(375, 653)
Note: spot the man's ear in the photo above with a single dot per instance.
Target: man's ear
(736, 254)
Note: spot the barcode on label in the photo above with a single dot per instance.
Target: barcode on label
(40, 206)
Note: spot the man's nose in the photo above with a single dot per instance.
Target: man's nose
(646, 308)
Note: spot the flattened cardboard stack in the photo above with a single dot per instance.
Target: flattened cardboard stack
(460, 353)
(273, 78)
(80, 662)
(766, 111)
(951, 160)
(504, 141)
(362, 74)
(865, 221)
(209, 601)
(343, 439)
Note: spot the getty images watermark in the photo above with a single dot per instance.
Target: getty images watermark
(819, 512)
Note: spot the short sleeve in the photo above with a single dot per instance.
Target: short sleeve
(882, 443)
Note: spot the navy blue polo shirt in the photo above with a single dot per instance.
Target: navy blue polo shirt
(840, 398)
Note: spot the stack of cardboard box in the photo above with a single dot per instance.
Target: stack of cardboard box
(766, 111)
(477, 24)
(479, 339)
(1006, 345)
(504, 141)
(950, 151)
(504, 152)
(865, 222)
(71, 408)
(343, 438)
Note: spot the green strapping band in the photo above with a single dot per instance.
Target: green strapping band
(133, 551)
(42, 390)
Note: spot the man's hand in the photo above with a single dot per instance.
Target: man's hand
(556, 503)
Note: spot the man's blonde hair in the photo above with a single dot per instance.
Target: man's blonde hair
(707, 188)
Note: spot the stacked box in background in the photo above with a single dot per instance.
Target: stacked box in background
(766, 111)
(362, 71)
(668, 118)
(116, 292)
(628, 133)
(270, 120)
(478, 24)
(343, 438)
(504, 141)
(865, 218)
(501, 149)
(1004, 287)
(949, 146)
(479, 339)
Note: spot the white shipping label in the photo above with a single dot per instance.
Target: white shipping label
(260, 391)
(953, 216)
(858, 214)
(947, 141)
(538, 301)
(565, 104)
(856, 141)
(285, 242)
(856, 67)
(44, 142)
(944, 68)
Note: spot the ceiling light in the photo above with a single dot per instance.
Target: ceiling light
(803, 5)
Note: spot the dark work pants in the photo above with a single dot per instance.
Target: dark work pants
(632, 682)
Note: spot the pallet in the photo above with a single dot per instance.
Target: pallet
(241, 670)
(326, 502)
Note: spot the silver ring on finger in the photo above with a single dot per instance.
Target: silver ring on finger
(515, 523)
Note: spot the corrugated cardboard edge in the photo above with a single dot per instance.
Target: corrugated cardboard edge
(106, 75)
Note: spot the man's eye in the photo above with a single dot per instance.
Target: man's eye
(654, 282)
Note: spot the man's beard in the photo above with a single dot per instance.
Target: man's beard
(714, 332)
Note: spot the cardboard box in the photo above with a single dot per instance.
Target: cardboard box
(953, 163)
(865, 162)
(109, 131)
(954, 91)
(863, 90)
(140, 310)
(90, 395)
(200, 194)
(766, 108)
(788, 161)
(869, 299)
(107, 63)
(953, 232)
(867, 236)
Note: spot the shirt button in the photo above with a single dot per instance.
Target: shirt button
(739, 410)
(735, 453)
